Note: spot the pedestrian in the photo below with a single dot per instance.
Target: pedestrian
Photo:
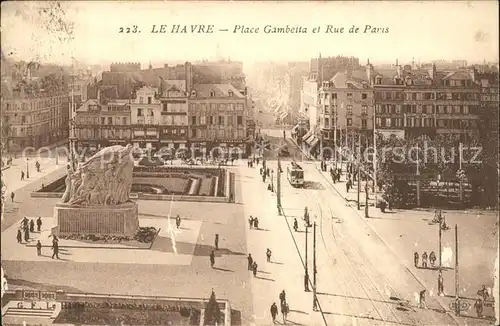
(274, 312)
(268, 255)
(440, 283)
(250, 221)
(421, 303)
(22, 175)
(55, 249)
(415, 258)
(256, 223)
(254, 268)
(424, 259)
(19, 236)
(284, 311)
(38, 248)
(250, 262)
(32, 226)
(261, 171)
(39, 224)
(295, 224)
(263, 178)
(432, 258)
(178, 221)
(282, 297)
(217, 241)
(26, 234)
(267, 171)
(483, 293)
(212, 259)
(479, 307)
(12, 196)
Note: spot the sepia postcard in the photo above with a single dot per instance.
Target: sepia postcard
(250, 163)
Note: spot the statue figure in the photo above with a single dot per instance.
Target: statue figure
(68, 182)
(104, 179)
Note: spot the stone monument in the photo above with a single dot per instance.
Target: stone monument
(96, 200)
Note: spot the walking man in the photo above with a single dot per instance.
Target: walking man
(415, 258)
(274, 312)
(250, 262)
(282, 297)
(55, 249)
(432, 258)
(38, 248)
(39, 224)
(284, 310)
(268, 254)
(212, 259)
(32, 226)
(216, 241)
(250, 221)
(295, 224)
(254, 268)
(440, 283)
(479, 307)
(12, 196)
(22, 175)
(178, 221)
(422, 304)
(19, 236)
(424, 259)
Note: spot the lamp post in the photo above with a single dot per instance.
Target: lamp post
(272, 181)
(366, 196)
(27, 169)
(306, 271)
(278, 186)
(359, 184)
(315, 304)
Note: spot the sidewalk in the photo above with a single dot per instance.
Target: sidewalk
(285, 272)
(398, 230)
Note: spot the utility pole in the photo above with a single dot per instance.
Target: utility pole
(27, 169)
(315, 305)
(359, 184)
(440, 237)
(278, 187)
(306, 276)
(457, 289)
(460, 146)
(418, 178)
(375, 156)
(366, 196)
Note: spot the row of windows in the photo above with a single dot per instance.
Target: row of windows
(349, 122)
(216, 106)
(220, 134)
(414, 122)
(34, 105)
(350, 95)
(103, 133)
(214, 120)
(425, 109)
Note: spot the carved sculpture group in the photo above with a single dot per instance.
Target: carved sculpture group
(104, 179)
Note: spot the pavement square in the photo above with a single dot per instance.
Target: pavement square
(161, 252)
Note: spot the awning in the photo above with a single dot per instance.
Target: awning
(307, 135)
(309, 139)
(295, 128)
(283, 115)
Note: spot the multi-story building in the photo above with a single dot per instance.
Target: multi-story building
(145, 118)
(34, 119)
(217, 118)
(174, 121)
(99, 125)
(345, 105)
(440, 104)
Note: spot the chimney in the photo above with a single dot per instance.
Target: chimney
(370, 73)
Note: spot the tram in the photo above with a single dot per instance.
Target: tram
(295, 175)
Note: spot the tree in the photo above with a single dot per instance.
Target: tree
(213, 314)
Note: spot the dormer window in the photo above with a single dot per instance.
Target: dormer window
(378, 80)
(193, 93)
(408, 81)
(230, 93)
(212, 93)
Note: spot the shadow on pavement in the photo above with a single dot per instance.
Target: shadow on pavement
(313, 185)
(264, 278)
(299, 312)
(354, 297)
(277, 262)
(369, 318)
(224, 269)
(164, 244)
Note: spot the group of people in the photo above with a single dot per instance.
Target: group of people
(252, 161)
(431, 258)
(482, 297)
(37, 166)
(285, 309)
(28, 226)
(253, 222)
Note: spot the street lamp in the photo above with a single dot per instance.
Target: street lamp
(306, 275)
(272, 181)
(27, 169)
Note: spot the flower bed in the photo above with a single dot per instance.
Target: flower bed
(144, 235)
(129, 314)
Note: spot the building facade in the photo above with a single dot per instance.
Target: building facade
(145, 118)
(35, 120)
(173, 130)
(217, 118)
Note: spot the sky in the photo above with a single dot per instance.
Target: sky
(89, 31)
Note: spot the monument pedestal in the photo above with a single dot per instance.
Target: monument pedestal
(116, 220)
